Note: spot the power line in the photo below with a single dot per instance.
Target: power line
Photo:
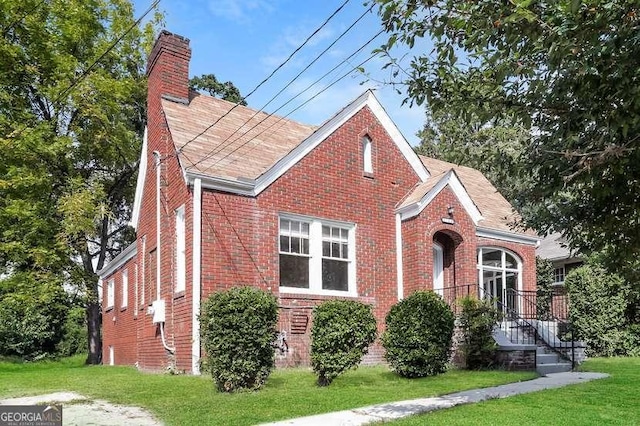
(17, 21)
(292, 111)
(86, 72)
(341, 63)
(269, 76)
(222, 146)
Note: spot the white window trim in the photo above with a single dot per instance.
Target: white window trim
(125, 289)
(501, 269)
(110, 293)
(564, 275)
(315, 256)
(181, 246)
(367, 154)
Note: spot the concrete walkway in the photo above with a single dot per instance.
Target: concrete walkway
(396, 410)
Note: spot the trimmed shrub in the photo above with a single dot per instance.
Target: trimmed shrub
(418, 335)
(341, 333)
(476, 321)
(238, 328)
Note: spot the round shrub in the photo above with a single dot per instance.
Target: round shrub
(477, 321)
(238, 328)
(341, 333)
(418, 335)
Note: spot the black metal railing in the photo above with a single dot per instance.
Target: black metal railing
(525, 318)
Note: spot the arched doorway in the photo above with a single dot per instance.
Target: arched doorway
(444, 246)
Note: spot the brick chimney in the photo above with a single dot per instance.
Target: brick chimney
(168, 67)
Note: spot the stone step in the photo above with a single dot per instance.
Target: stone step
(547, 358)
(560, 367)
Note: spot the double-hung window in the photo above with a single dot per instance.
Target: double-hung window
(317, 256)
(110, 293)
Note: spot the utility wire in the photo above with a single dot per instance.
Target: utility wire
(306, 89)
(222, 146)
(292, 111)
(86, 72)
(17, 21)
(268, 77)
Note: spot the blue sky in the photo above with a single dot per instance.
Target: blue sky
(245, 40)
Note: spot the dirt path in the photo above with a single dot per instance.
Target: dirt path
(82, 411)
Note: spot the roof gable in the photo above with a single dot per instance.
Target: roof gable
(247, 150)
(424, 193)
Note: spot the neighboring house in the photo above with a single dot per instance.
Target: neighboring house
(229, 196)
(554, 248)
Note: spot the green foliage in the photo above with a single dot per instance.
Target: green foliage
(74, 335)
(477, 321)
(597, 304)
(567, 71)
(495, 148)
(72, 115)
(418, 335)
(238, 328)
(341, 333)
(32, 317)
(544, 291)
(209, 83)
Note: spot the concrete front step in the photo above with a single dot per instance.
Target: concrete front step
(560, 367)
(547, 358)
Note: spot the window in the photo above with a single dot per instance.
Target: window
(558, 275)
(316, 256)
(500, 277)
(125, 289)
(144, 270)
(180, 250)
(110, 293)
(367, 155)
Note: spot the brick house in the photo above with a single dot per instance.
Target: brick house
(230, 196)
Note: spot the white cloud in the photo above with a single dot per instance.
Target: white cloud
(290, 39)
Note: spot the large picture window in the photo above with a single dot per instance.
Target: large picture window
(316, 256)
(500, 273)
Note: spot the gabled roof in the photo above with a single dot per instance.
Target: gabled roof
(491, 212)
(246, 150)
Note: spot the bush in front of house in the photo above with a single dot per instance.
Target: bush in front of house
(238, 328)
(74, 339)
(341, 334)
(418, 335)
(477, 321)
(598, 301)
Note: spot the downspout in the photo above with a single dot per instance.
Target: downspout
(156, 154)
(196, 268)
(399, 264)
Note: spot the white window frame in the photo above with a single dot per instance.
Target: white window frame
(125, 289)
(556, 275)
(438, 269)
(500, 271)
(315, 256)
(181, 245)
(367, 154)
(110, 293)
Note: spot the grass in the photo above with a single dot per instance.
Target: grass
(184, 400)
(611, 401)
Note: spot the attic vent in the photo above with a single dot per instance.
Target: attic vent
(299, 322)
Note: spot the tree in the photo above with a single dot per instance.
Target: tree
(210, 84)
(72, 114)
(567, 70)
(494, 147)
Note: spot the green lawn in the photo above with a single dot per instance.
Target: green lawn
(611, 401)
(188, 400)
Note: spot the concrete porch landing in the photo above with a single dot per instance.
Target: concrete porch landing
(396, 410)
